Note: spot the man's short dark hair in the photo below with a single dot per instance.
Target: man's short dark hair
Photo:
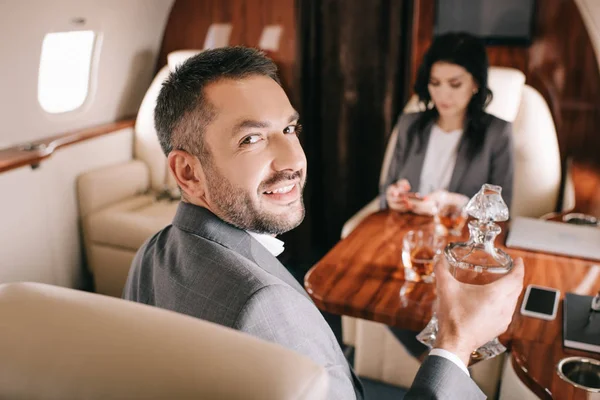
(182, 111)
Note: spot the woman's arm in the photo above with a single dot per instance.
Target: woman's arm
(503, 163)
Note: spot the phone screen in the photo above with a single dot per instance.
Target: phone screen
(541, 301)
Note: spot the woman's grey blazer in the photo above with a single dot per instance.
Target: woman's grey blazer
(494, 163)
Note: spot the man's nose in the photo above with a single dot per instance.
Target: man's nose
(287, 154)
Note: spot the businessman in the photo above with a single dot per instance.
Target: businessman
(231, 138)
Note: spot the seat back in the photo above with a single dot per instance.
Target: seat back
(537, 158)
(59, 343)
(537, 171)
(146, 145)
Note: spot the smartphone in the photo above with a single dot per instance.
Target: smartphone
(540, 302)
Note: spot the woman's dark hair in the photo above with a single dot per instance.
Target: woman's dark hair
(467, 51)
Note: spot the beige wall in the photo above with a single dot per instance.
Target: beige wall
(130, 36)
(39, 234)
(39, 229)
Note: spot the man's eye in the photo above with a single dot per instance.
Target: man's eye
(250, 139)
(293, 129)
(455, 85)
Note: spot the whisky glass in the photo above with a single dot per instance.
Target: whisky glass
(452, 213)
(448, 211)
(419, 249)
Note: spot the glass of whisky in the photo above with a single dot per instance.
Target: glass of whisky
(419, 249)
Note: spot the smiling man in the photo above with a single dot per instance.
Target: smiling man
(231, 137)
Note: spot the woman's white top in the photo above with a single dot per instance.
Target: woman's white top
(440, 159)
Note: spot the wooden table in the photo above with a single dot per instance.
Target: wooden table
(362, 277)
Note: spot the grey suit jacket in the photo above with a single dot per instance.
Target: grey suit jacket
(206, 268)
(494, 163)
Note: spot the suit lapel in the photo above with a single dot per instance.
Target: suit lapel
(412, 170)
(201, 222)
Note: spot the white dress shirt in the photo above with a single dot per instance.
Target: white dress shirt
(440, 159)
(276, 247)
(271, 243)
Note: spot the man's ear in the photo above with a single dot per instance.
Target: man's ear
(189, 174)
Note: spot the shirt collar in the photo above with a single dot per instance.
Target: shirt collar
(272, 244)
(453, 132)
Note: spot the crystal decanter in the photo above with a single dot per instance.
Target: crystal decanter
(477, 261)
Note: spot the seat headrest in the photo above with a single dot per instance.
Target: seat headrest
(176, 58)
(146, 145)
(507, 86)
(63, 343)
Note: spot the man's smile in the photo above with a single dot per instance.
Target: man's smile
(283, 193)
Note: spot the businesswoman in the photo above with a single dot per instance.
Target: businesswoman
(454, 144)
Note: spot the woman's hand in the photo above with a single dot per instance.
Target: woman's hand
(397, 196)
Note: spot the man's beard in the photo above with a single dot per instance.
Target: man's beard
(236, 207)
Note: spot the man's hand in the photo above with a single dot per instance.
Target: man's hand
(471, 315)
(396, 196)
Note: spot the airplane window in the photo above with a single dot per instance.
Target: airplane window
(64, 75)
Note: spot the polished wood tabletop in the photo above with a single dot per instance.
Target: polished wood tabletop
(363, 276)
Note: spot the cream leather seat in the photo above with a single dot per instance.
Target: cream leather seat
(59, 343)
(123, 205)
(536, 189)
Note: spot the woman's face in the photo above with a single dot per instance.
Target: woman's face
(451, 88)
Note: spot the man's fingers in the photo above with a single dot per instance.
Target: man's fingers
(516, 274)
(442, 274)
(513, 281)
(518, 270)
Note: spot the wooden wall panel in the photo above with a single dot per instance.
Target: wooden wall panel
(422, 34)
(189, 21)
(561, 64)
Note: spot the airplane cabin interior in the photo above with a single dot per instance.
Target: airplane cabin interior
(430, 132)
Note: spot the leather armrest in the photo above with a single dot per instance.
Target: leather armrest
(103, 187)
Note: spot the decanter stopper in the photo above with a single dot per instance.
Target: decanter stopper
(487, 205)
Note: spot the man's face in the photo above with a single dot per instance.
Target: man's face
(257, 169)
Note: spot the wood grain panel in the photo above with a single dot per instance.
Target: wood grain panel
(362, 276)
(423, 21)
(560, 63)
(19, 156)
(586, 178)
(189, 21)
